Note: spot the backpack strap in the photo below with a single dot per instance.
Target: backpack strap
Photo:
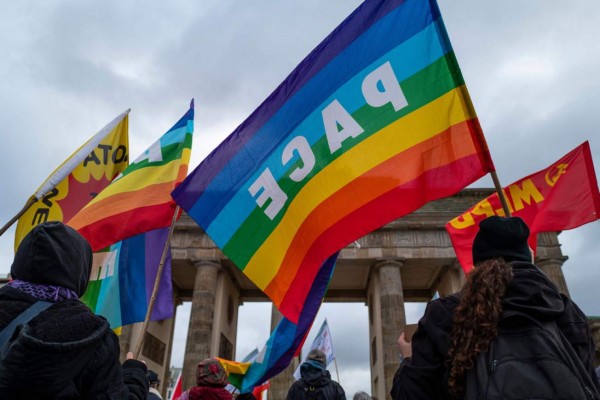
(23, 318)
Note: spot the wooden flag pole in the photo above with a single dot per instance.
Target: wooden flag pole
(500, 194)
(140, 342)
(26, 207)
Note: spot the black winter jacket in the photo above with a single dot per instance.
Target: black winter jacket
(315, 384)
(424, 375)
(66, 352)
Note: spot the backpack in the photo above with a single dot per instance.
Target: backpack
(529, 359)
(7, 335)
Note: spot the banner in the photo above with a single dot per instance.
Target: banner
(79, 178)
(560, 197)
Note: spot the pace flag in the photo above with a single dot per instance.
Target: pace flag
(560, 197)
(79, 178)
(375, 122)
(139, 199)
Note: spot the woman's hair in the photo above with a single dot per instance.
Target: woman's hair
(476, 319)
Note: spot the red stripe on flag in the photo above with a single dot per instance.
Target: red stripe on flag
(399, 201)
(117, 227)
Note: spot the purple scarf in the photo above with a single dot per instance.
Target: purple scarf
(53, 294)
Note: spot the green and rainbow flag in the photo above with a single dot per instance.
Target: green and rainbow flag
(139, 199)
(127, 226)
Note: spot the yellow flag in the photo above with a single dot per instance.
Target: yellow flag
(79, 178)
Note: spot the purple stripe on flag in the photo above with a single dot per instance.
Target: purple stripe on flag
(154, 244)
(287, 336)
(348, 31)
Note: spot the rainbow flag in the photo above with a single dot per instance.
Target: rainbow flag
(375, 122)
(139, 199)
(123, 276)
(79, 178)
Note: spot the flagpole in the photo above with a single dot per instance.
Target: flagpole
(500, 194)
(138, 347)
(336, 370)
(26, 207)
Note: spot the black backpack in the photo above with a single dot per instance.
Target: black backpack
(529, 359)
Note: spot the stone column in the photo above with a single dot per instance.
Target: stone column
(452, 280)
(280, 384)
(553, 268)
(198, 345)
(393, 318)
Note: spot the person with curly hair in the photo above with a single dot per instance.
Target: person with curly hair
(456, 329)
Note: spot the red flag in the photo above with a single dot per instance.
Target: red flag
(563, 196)
(259, 390)
(178, 391)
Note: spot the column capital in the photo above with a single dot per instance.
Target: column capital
(207, 263)
(559, 261)
(389, 262)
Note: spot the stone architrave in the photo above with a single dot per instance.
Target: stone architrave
(199, 338)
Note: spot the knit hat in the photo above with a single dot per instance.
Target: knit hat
(55, 254)
(152, 377)
(317, 355)
(210, 372)
(501, 237)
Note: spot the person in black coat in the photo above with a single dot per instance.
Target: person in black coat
(434, 365)
(315, 381)
(66, 351)
(154, 383)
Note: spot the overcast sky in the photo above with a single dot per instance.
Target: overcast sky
(532, 68)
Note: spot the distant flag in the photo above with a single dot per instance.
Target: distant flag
(123, 277)
(233, 367)
(561, 197)
(178, 391)
(374, 123)
(261, 391)
(322, 342)
(139, 199)
(235, 377)
(79, 178)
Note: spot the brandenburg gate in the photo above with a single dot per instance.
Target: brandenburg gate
(407, 260)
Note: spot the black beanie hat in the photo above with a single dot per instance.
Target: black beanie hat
(54, 254)
(502, 237)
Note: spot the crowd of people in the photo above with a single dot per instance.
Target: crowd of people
(53, 346)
